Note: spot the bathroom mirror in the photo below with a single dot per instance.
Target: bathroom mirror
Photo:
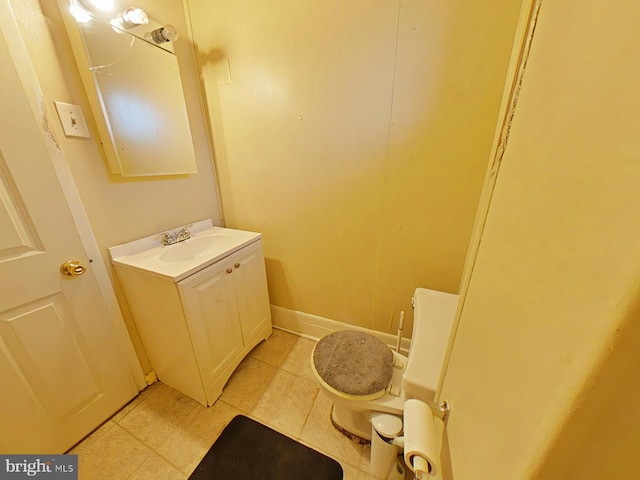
(132, 79)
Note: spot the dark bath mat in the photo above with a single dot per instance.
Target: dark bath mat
(248, 450)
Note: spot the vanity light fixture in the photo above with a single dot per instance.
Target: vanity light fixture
(161, 35)
(132, 17)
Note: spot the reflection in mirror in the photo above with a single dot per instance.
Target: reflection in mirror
(133, 82)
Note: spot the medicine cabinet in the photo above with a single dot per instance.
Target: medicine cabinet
(135, 92)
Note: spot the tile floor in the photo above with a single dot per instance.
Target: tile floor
(162, 434)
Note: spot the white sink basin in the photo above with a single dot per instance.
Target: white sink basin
(195, 247)
(207, 245)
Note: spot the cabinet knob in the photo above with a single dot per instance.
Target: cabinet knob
(229, 270)
(237, 265)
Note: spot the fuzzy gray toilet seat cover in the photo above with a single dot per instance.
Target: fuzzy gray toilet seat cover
(354, 363)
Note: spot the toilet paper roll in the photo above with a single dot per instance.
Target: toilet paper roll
(421, 448)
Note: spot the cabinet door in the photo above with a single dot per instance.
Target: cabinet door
(250, 284)
(212, 318)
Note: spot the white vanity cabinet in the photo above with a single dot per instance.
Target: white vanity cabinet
(227, 313)
(197, 320)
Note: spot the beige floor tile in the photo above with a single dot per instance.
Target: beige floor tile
(365, 459)
(275, 349)
(248, 383)
(286, 403)
(349, 472)
(163, 434)
(318, 432)
(115, 455)
(184, 447)
(141, 397)
(352, 473)
(156, 468)
(86, 444)
(299, 360)
(162, 412)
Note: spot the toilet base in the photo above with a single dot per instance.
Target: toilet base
(355, 424)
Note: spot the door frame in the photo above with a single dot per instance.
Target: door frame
(41, 110)
(523, 39)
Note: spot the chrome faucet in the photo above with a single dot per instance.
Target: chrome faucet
(184, 234)
(169, 238)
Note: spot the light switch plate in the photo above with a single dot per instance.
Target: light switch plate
(72, 120)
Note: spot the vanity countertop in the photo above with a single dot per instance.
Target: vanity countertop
(207, 245)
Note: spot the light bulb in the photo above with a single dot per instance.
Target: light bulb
(79, 13)
(135, 16)
(130, 18)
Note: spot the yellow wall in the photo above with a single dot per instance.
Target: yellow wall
(355, 136)
(542, 378)
(120, 209)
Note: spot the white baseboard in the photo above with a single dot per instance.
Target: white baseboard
(315, 327)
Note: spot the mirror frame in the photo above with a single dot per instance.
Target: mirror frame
(117, 163)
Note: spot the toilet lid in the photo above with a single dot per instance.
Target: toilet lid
(354, 363)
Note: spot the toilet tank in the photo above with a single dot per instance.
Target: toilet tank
(433, 314)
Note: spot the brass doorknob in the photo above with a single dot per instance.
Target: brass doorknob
(73, 268)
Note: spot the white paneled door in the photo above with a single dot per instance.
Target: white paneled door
(62, 370)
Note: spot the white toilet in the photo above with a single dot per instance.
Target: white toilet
(364, 378)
